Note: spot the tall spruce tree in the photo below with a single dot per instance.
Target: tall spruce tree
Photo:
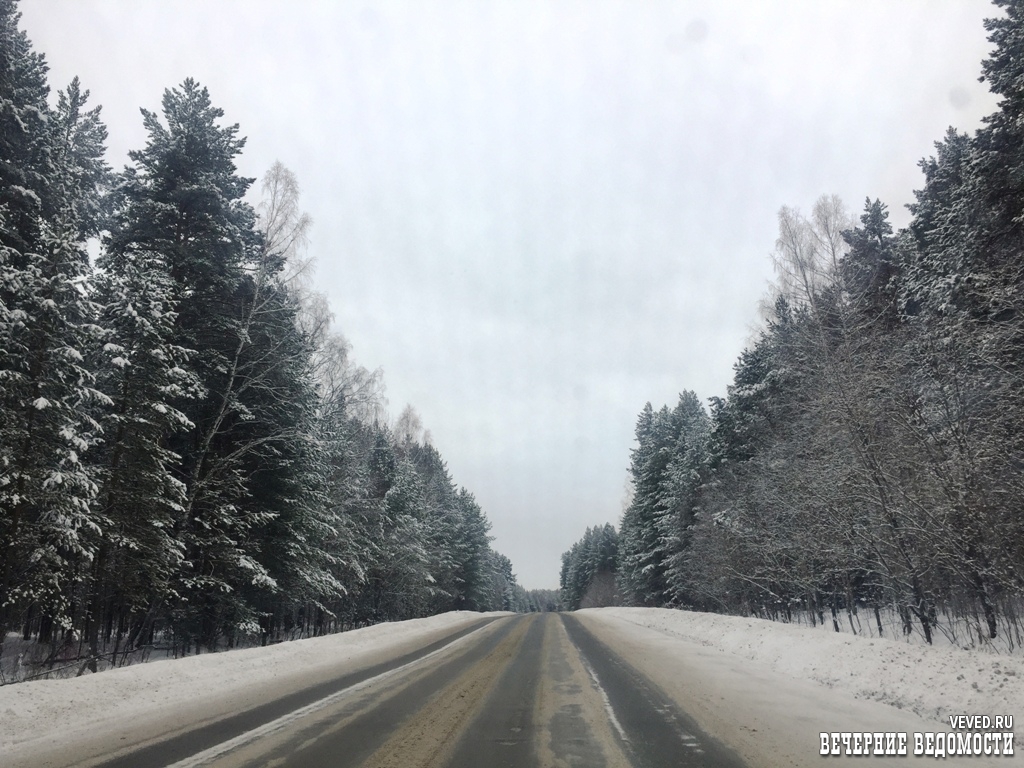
(50, 182)
(181, 201)
(652, 530)
(681, 487)
(147, 377)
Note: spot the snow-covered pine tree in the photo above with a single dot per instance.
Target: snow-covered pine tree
(504, 589)
(634, 529)
(280, 453)
(471, 550)
(962, 294)
(642, 551)
(440, 521)
(343, 444)
(587, 578)
(681, 486)
(146, 376)
(49, 195)
(182, 199)
(389, 533)
(23, 144)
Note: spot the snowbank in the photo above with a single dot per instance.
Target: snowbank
(175, 693)
(931, 682)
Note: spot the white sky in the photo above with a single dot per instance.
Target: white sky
(537, 216)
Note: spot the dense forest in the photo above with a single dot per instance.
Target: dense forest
(868, 458)
(188, 453)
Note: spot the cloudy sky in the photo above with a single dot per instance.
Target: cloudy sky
(537, 216)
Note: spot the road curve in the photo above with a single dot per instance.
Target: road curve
(524, 691)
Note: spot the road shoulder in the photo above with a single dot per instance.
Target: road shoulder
(72, 722)
(769, 719)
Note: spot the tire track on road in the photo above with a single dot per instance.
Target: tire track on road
(504, 732)
(659, 732)
(428, 739)
(576, 728)
(184, 745)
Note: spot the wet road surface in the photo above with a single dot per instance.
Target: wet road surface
(523, 691)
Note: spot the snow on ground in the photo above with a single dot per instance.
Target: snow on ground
(169, 695)
(932, 682)
(767, 689)
(949, 631)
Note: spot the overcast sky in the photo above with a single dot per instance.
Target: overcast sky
(537, 216)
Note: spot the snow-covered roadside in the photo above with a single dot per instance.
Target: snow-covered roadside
(166, 696)
(769, 690)
(932, 682)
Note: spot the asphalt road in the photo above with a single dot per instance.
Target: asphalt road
(524, 691)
